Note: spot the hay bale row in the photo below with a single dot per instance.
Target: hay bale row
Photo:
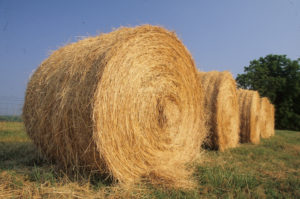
(249, 105)
(126, 104)
(131, 105)
(255, 115)
(221, 109)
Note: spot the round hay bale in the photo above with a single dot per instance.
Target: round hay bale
(249, 106)
(267, 123)
(124, 103)
(271, 120)
(221, 108)
(264, 115)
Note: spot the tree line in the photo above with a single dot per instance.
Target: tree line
(278, 78)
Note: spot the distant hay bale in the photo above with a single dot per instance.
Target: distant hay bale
(271, 122)
(267, 123)
(269, 119)
(124, 103)
(249, 106)
(221, 108)
(264, 116)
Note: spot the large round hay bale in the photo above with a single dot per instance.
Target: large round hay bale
(124, 103)
(221, 108)
(249, 106)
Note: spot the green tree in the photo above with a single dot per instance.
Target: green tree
(278, 78)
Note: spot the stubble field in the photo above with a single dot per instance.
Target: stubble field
(268, 170)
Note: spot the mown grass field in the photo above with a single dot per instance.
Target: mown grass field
(268, 170)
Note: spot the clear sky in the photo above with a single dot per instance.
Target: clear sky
(220, 34)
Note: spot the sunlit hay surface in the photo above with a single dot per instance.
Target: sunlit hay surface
(221, 107)
(265, 115)
(271, 123)
(124, 103)
(249, 106)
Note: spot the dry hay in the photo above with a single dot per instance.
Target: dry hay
(249, 106)
(221, 108)
(264, 114)
(271, 122)
(266, 118)
(124, 103)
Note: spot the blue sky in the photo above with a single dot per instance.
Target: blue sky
(221, 35)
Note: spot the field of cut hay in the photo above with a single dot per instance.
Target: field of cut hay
(126, 114)
(221, 109)
(268, 170)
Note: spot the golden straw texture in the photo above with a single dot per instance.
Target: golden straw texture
(249, 106)
(271, 122)
(266, 117)
(221, 108)
(124, 103)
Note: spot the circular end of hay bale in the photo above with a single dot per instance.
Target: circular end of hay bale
(125, 103)
(221, 108)
(154, 110)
